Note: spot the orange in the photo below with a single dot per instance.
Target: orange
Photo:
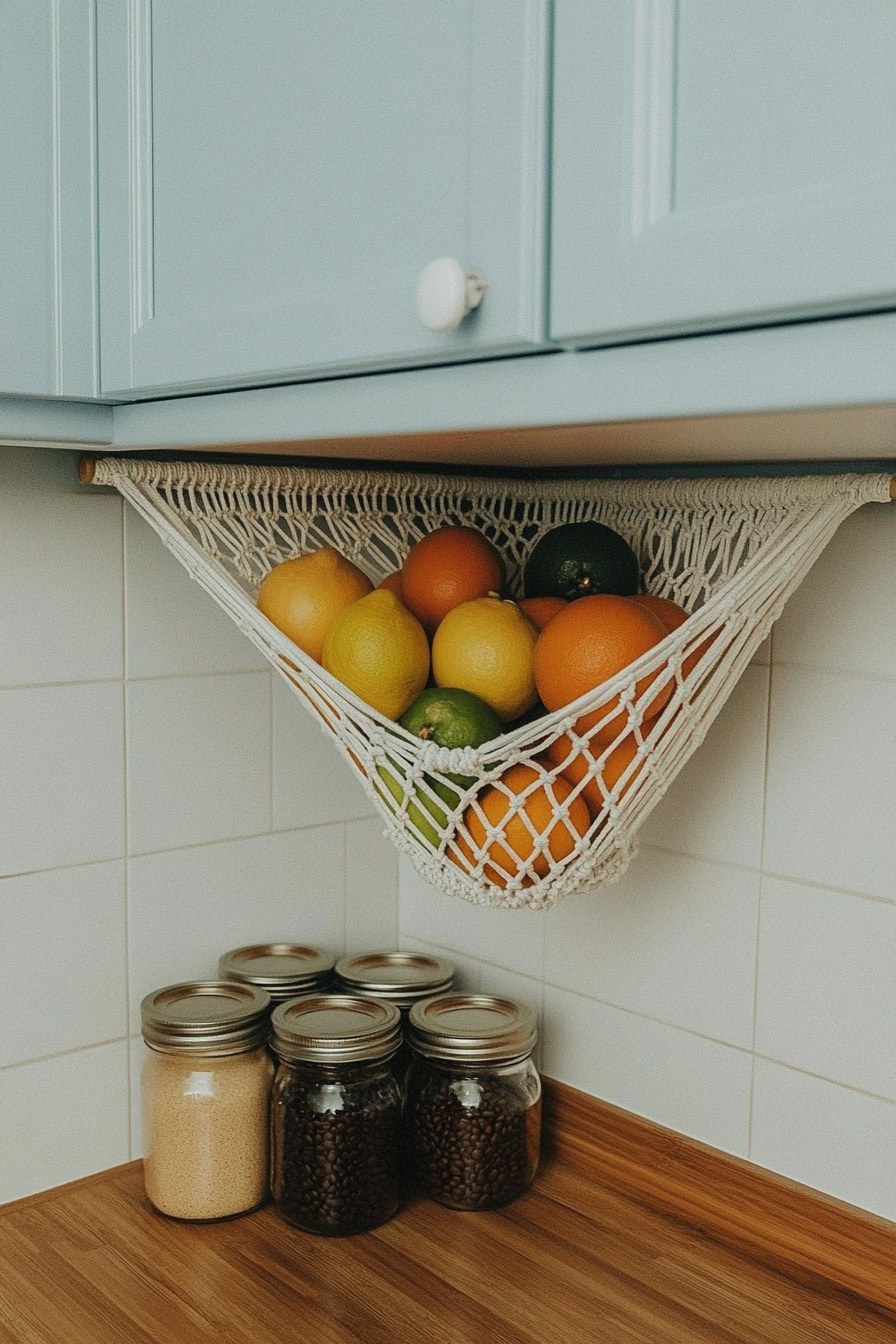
(670, 613)
(303, 596)
(538, 819)
(377, 649)
(586, 644)
(613, 767)
(392, 582)
(485, 647)
(541, 609)
(449, 566)
(672, 616)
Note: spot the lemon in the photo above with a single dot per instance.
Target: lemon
(485, 647)
(379, 650)
(304, 595)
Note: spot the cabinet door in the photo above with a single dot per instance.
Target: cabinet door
(47, 229)
(274, 177)
(721, 164)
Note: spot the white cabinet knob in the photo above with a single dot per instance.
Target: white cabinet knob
(446, 292)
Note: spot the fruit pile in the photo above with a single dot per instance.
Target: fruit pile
(438, 648)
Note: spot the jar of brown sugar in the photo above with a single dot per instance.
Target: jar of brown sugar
(335, 1113)
(282, 970)
(205, 1084)
(473, 1110)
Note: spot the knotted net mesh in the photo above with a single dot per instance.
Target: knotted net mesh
(553, 806)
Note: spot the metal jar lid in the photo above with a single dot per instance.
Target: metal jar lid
(401, 977)
(335, 1029)
(471, 1028)
(205, 1017)
(283, 970)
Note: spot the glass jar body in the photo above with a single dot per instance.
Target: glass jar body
(473, 1130)
(205, 1132)
(335, 1137)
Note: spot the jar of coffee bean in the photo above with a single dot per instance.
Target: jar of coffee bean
(335, 1113)
(282, 970)
(402, 978)
(473, 1108)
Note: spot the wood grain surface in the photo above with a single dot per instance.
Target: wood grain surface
(576, 1261)
(786, 1225)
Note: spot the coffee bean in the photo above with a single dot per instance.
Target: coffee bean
(336, 1151)
(473, 1140)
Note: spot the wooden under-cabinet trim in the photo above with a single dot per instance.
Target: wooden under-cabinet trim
(788, 1226)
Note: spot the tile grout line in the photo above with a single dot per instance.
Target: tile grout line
(127, 830)
(725, 1045)
(270, 752)
(765, 771)
(179, 849)
(344, 828)
(68, 1054)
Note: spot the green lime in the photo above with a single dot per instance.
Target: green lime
(578, 559)
(427, 820)
(451, 718)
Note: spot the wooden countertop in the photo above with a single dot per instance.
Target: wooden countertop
(573, 1261)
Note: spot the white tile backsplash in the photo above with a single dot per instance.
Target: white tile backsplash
(61, 593)
(245, 823)
(829, 810)
(137, 837)
(199, 759)
(62, 935)
(831, 958)
(674, 939)
(63, 1118)
(312, 782)
(713, 809)
(696, 1086)
(188, 906)
(510, 938)
(62, 778)
(826, 1136)
(371, 887)
(172, 627)
(840, 618)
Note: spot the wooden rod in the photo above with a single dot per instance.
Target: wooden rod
(87, 470)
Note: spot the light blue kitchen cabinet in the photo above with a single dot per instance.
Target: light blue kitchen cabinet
(720, 164)
(273, 178)
(47, 216)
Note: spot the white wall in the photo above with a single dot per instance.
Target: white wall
(161, 801)
(163, 797)
(739, 983)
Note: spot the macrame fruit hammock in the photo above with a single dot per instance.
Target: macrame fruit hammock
(730, 551)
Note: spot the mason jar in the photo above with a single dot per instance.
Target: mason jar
(335, 1113)
(282, 970)
(402, 978)
(473, 1108)
(205, 1087)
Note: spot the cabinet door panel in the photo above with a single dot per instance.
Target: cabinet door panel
(47, 265)
(277, 176)
(721, 164)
